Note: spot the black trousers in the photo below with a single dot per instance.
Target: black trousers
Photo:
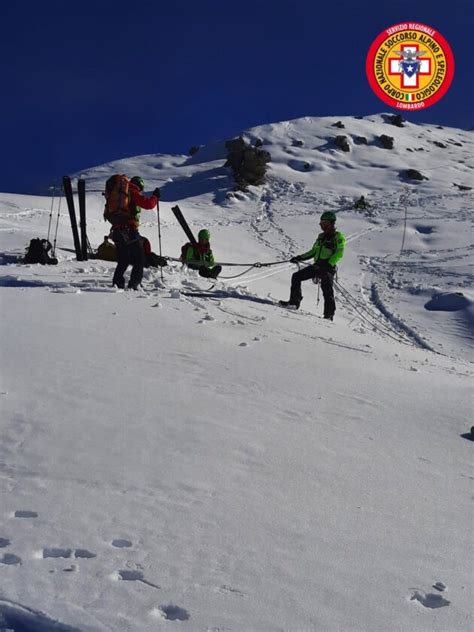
(207, 273)
(326, 276)
(130, 251)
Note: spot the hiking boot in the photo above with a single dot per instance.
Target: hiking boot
(289, 304)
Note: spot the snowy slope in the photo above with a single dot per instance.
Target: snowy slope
(220, 463)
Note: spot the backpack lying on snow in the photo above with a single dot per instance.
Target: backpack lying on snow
(106, 250)
(117, 199)
(38, 252)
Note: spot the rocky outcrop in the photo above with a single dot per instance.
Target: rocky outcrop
(387, 141)
(248, 164)
(193, 150)
(339, 124)
(412, 174)
(342, 143)
(396, 119)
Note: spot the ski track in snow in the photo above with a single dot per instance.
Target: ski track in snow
(380, 269)
(266, 229)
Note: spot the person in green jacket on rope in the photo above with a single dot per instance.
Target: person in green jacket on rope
(327, 250)
(361, 203)
(200, 257)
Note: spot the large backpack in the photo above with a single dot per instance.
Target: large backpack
(106, 250)
(117, 199)
(38, 252)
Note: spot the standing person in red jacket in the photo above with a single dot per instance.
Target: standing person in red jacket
(128, 241)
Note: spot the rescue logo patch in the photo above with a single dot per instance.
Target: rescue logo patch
(410, 66)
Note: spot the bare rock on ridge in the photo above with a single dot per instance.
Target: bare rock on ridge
(412, 174)
(248, 164)
(387, 141)
(342, 143)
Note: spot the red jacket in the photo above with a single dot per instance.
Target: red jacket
(140, 200)
(137, 202)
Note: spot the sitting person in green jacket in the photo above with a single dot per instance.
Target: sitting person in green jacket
(327, 250)
(361, 203)
(200, 257)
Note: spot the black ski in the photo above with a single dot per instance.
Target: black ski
(184, 224)
(206, 292)
(202, 294)
(72, 215)
(81, 190)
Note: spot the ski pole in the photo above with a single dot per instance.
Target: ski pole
(57, 224)
(159, 230)
(51, 211)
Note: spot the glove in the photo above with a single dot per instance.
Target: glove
(156, 193)
(295, 259)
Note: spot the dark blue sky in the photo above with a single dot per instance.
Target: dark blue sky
(87, 82)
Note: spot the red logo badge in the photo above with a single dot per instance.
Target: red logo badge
(410, 66)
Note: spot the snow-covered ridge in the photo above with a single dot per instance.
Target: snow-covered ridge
(304, 148)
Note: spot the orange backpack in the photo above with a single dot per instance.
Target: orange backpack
(117, 199)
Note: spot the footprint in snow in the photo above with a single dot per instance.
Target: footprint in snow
(4, 542)
(121, 544)
(84, 554)
(429, 600)
(57, 552)
(130, 576)
(170, 613)
(10, 559)
(206, 318)
(25, 514)
(133, 576)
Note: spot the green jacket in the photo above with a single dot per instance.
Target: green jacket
(195, 257)
(328, 248)
(362, 204)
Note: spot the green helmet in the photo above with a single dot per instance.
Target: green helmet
(204, 235)
(139, 182)
(328, 216)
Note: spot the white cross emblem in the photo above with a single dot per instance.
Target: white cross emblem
(395, 67)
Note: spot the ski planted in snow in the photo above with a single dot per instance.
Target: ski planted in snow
(67, 186)
(81, 190)
(184, 224)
